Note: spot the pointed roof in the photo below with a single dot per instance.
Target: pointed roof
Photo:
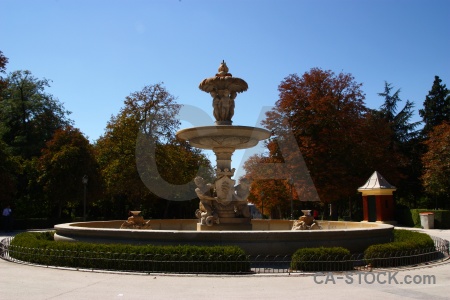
(376, 182)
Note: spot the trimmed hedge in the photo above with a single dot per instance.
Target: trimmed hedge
(411, 217)
(441, 218)
(408, 247)
(321, 259)
(40, 248)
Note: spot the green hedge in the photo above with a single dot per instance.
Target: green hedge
(40, 248)
(321, 259)
(441, 218)
(408, 247)
(411, 217)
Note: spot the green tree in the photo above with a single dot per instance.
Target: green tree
(9, 170)
(404, 130)
(3, 83)
(405, 144)
(436, 107)
(29, 116)
(149, 113)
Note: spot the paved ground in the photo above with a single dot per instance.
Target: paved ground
(30, 282)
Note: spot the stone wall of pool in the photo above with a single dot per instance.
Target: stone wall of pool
(268, 237)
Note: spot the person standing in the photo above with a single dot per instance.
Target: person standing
(7, 218)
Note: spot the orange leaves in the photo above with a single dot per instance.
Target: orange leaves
(436, 161)
(329, 120)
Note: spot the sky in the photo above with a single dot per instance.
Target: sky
(97, 52)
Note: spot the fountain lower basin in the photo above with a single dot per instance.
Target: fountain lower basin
(268, 237)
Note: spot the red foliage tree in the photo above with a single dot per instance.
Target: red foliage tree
(436, 162)
(342, 142)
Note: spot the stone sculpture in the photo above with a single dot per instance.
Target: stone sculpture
(223, 197)
(204, 192)
(306, 222)
(136, 222)
(223, 88)
(240, 198)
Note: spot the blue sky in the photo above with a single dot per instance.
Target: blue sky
(98, 52)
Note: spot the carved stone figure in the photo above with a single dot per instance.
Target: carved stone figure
(135, 222)
(204, 192)
(223, 88)
(240, 198)
(306, 222)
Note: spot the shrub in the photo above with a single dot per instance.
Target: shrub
(408, 247)
(321, 259)
(39, 248)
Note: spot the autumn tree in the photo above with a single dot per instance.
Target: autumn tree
(340, 140)
(268, 194)
(436, 107)
(436, 162)
(67, 157)
(144, 130)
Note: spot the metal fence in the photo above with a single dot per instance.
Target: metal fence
(132, 262)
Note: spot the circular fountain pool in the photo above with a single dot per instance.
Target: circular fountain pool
(268, 237)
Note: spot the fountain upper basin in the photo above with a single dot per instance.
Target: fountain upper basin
(210, 137)
(268, 237)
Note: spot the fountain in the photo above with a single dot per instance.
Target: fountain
(223, 214)
(223, 205)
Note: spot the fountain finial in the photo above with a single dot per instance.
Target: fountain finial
(223, 88)
(223, 70)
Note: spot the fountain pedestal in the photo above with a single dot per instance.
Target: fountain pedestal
(229, 224)
(223, 205)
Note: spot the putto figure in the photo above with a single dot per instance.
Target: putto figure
(223, 88)
(205, 193)
(240, 198)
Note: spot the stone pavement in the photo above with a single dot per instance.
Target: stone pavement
(19, 281)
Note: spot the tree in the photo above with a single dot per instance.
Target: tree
(404, 130)
(3, 83)
(339, 138)
(29, 116)
(436, 107)
(67, 157)
(268, 194)
(9, 170)
(405, 143)
(149, 113)
(436, 162)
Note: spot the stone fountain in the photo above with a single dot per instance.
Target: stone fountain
(223, 204)
(223, 211)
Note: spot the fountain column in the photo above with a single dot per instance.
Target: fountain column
(223, 157)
